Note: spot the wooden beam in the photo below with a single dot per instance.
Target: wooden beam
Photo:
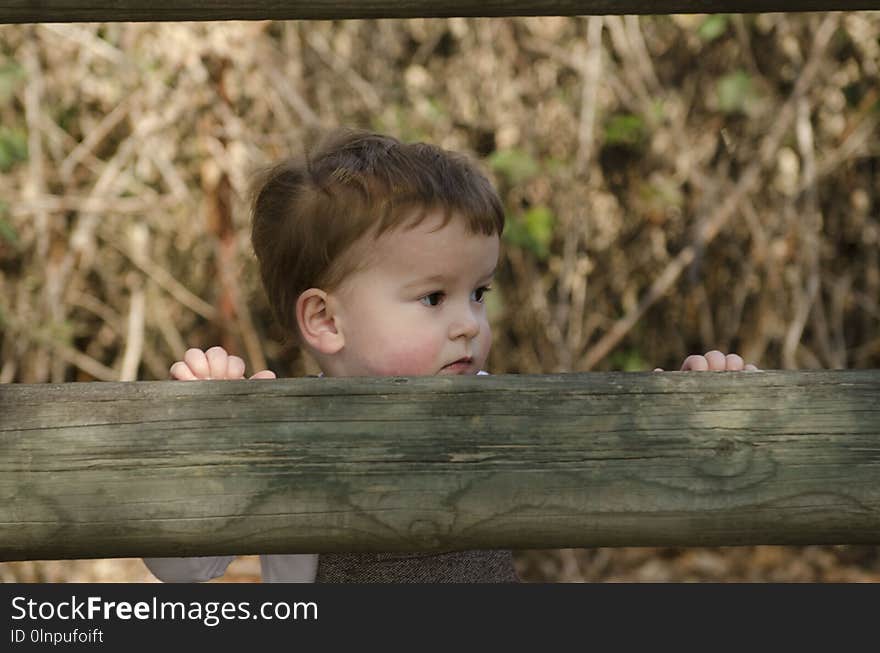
(313, 465)
(58, 11)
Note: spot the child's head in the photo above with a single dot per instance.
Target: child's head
(375, 254)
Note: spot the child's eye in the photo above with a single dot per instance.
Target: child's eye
(433, 299)
(480, 294)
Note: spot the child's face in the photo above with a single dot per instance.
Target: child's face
(418, 309)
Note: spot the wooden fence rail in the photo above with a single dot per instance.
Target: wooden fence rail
(45, 11)
(315, 465)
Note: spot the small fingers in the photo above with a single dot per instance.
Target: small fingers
(181, 372)
(197, 362)
(217, 361)
(717, 361)
(734, 362)
(234, 368)
(265, 374)
(695, 363)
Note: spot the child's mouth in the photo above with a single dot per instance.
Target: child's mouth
(461, 366)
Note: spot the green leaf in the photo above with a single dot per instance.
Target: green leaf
(515, 165)
(629, 360)
(437, 109)
(539, 222)
(658, 111)
(734, 92)
(624, 129)
(13, 147)
(8, 233)
(657, 196)
(713, 27)
(532, 230)
(11, 75)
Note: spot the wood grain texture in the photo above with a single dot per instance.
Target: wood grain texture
(315, 465)
(28, 11)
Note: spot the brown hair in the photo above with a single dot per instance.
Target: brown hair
(308, 212)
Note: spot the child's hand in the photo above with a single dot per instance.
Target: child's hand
(714, 361)
(212, 364)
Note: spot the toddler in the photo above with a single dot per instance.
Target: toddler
(377, 257)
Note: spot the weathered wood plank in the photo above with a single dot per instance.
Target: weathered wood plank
(312, 465)
(55, 11)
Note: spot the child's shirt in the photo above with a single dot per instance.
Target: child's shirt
(294, 568)
(493, 566)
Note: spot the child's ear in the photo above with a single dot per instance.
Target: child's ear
(317, 323)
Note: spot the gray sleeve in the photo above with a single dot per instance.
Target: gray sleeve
(292, 568)
(188, 570)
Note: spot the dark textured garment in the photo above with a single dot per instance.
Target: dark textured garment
(451, 567)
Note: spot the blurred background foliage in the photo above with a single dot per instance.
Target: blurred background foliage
(673, 184)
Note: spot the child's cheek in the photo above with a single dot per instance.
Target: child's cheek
(403, 357)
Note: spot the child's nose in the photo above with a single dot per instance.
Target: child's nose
(466, 325)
